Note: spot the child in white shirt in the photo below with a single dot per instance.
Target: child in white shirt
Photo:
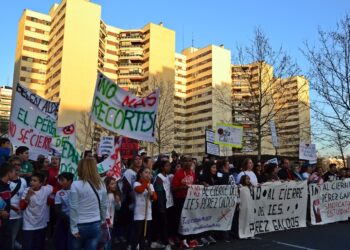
(34, 203)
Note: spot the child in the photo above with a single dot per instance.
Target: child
(144, 194)
(18, 186)
(161, 208)
(34, 202)
(65, 179)
(114, 203)
(245, 181)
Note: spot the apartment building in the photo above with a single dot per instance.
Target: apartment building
(5, 108)
(259, 98)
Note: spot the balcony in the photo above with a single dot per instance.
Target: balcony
(131, 36)
(129, 65)
(131, 75)
(130, 56)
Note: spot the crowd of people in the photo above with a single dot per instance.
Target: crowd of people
(139, 210)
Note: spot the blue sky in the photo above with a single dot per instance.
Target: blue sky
(229, 22)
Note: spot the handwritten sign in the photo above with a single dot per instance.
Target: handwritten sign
(112, 165)
(130, 148)
(69, 159)
(330, 202)
(33, 122)
(307, 152)
(208, 208)
(210, 147)
(67, 133)
(119, 111)
(229, 135)
(106, 145)
(272, 207)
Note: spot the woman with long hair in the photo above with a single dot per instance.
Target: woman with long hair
(88, 206)
(248, 170)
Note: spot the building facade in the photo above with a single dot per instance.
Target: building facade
(59, 54)
(5, 108)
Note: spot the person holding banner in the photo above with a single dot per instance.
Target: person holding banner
(144, 195)
(317, 176)
(184, 177)
(296, 172)
(26, 168)
(271, 173)
(248, 170)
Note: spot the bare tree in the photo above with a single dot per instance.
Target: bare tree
(165, 125)
(86, 133)
(330, 76)
(260, 88)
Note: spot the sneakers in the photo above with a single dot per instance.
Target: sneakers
(194, 244)
(184, 245)
(204, 241)
(168, 247)
(156, 244)
(171, 242)
(211, 240)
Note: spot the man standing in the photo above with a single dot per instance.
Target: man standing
(285, 173)
(331, 175)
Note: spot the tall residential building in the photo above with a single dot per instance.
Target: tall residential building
(59, 54)
(283, 101)
(5, 108)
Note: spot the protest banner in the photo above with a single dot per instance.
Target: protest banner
(122, 112)
(273, 206)
(69, 159)
(208, 208)
(67, 133)
(229, 135)
(33, 122)
(273, 160)
(307, 152)
(112, 165)
(106, 145)
(329, 202)
(129, 148)
(273, 134)
(210, 147)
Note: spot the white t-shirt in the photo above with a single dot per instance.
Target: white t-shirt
(252, 176)
(35, 214)
(17, 198)
(84, 207)
(62, 198)
(140, 204)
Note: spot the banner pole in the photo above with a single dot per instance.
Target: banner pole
(87, 134)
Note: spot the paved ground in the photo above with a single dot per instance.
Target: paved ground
(334, 236)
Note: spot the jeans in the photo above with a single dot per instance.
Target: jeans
(89, 236)
(34, 239)
(15, 225)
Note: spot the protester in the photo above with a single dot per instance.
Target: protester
(114, 203)
(18, 185)
(247, 170)
(342, 174)
(285, 173)
(271, 173)
(5, 150)
(258, 170)
(26, 168)
(224, 173)
(144, 195)
(307, 171)
(183, 178)
(331, 174)
(5, 206)
(161, 208)
(317, 176)
(88, 206)
(62, 209)
(35, 203)
(245, 181)
(296, 172)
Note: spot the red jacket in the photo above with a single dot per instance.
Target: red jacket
(181, 180)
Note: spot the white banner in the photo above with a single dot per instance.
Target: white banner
(33, 122)
(272, 207)
(69, 159)
(208, 208)
(273, 134)
(307, 152)
(106, 145)
(329, 202)
(210, 147)
(112, 165)
(124, 113)
(67, 133)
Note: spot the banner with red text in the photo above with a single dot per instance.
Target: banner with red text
(208, 208)
(273, 206)
(122, 112)
(33, 122)
(130, 148)
(112, 166)
(330, 202)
